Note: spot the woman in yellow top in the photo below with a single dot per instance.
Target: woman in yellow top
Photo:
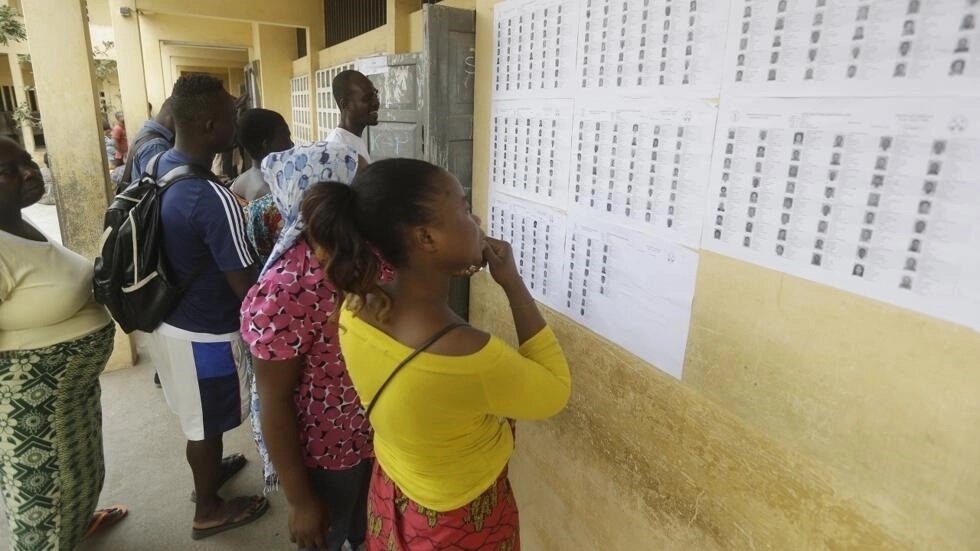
(54, 342)
(442, 438)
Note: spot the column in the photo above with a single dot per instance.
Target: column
(65, 82)
(275, 48)
(129, 63)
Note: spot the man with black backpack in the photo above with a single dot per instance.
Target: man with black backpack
(156, 137)
(197, 350)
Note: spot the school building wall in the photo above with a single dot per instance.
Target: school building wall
(807, 418)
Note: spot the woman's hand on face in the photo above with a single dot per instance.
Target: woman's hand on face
(500, 258)
(468, 272)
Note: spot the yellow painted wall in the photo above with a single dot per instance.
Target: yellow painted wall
(220, 60)
(416, 27)
(220, 73)
(66, 89)
(293, 13)
(98, 12)
(276, 46)
(398, 17)
(807, 418)
(6, 78)
(370, 43)
(301, 66)
(416, 30)
(158, 29)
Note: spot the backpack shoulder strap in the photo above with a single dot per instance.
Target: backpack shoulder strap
(127, 176)
(432, 340)
(182, 172)
(151, 167)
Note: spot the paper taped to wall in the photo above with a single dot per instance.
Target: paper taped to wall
(847, 48)
(878, 197)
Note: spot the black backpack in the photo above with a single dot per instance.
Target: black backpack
(132, 278)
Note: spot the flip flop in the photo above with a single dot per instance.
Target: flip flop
(104, 518)
(230, 466)
(253, 508)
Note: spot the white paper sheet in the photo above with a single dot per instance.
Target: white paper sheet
(853, 48)
(643, 163)
(534, 47)
(634, 289)
(537, 236)
(878, 197)
(622, 155)
(530, 154)
(654, 45)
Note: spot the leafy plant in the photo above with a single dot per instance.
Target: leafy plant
(23, 115)
(105, 68)
(11, 27)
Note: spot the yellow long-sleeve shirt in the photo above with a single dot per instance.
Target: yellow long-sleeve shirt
(439, 427)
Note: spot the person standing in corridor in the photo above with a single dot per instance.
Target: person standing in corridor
(438, 392)
(156, 136)
(198, 351)
(55, 341)
(119, 141)
(358, 101)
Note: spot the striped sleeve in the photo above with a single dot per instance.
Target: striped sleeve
(223, 223)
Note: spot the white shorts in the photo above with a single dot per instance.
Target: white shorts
(204, 378)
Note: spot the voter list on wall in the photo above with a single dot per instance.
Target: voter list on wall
(602, 128)
(825, 48)
(606, 124)
(875, 196)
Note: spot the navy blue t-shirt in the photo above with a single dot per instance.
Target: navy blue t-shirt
(203, 228)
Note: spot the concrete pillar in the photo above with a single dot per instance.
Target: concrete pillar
(314, 61)
(129, 63)
(65, 81)
(26, 130)
(275, 48)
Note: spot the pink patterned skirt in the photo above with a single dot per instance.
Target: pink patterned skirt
(396, 523)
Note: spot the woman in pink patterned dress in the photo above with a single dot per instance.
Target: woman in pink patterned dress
(315, 431)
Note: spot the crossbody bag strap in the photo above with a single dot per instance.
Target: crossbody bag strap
(432, 340)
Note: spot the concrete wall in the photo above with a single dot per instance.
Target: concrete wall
(159, 30)
(276, 47)
(370, 43)
(807, 418)
(416, 27)
(6, 78)
(206, 60)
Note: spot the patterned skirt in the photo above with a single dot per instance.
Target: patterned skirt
(51, 463)
(396, 523)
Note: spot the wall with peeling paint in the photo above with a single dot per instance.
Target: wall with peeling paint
(807, 418)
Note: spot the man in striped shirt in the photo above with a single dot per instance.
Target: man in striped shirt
(197, 351)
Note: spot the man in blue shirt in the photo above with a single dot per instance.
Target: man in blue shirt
(156, 136)
(198, 351)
